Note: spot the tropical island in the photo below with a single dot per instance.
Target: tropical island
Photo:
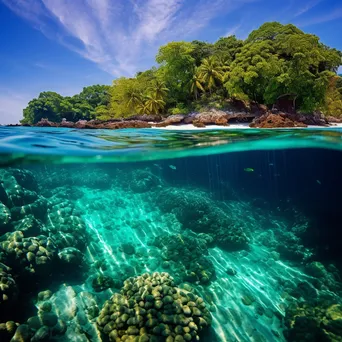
(278, 77)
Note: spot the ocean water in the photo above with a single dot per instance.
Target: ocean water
(154, 235)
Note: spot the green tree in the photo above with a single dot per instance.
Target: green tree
(158, 89)
(210, 72)
(200, 51)
(176, 69)
(154, 104)
(46, 106)
(195, 85)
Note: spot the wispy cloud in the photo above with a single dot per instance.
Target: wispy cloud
(323, 18)
(307, 7)
(116, 35)
(232, 30)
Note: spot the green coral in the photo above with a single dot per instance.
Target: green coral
(151, 308)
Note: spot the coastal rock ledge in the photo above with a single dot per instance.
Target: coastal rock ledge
(256, 119)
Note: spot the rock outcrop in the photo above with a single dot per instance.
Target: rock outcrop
(271, 120)
(46, 123)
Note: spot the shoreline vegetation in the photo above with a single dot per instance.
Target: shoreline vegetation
(278, 77)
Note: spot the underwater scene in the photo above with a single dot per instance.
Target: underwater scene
(154, 235)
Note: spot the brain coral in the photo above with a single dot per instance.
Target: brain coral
(151, 308)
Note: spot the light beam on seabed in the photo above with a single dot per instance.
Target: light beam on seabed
(107, 248)
(254, 278)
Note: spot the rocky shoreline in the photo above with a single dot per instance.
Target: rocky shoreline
(261, 118)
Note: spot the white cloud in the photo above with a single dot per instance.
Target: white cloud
(117, 35)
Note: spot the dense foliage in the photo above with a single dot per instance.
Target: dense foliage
(275, 61)
(85, 105)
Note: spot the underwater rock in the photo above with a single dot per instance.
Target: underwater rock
(63, 182)
(71, 256)
(25, 179)
(186, 255)
(16, 195)
(198, 212)
(231, 271)
(37, 208)
(8, 286)
(7, 330)
(314, 322)
(30, 256)
(139, 180)
(5, 218)
(102, 282)
(127, 248)
(22, 334)
(65, 226)
(29, 226)
(150, 306)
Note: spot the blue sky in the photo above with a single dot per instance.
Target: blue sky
(64, 45)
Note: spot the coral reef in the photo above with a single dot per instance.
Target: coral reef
(8, 286)
(186, 255)
(151, 307)
(195, 210)
(140, 180)
(314, 322)
(32, 255)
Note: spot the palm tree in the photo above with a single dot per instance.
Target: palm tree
(142, 108)
(210, 71)
(133, 98)
(159, 90)
(195, 85)
(154, 104)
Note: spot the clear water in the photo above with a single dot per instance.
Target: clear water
(247, 220)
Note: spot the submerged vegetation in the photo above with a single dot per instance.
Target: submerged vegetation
(275, 62)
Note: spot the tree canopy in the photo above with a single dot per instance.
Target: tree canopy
(55, 107)
(274, 61)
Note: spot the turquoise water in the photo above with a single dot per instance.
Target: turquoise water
(154, 235)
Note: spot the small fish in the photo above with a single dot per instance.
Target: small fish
(271, 164)
(318, 182)
(276, 175)
(158, 166)
(172, 167)
(248, 169)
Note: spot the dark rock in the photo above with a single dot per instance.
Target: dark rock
(145, 117)
(280, 120)
(21, 334)
(213, 117)
(67, 124)
(333, 119)
(127, 248)
(42, 334)
(102, 282)
(34, 322)
(46, 123)
(49, 319)
(81, 124)
(171, 120)
(231, 271)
